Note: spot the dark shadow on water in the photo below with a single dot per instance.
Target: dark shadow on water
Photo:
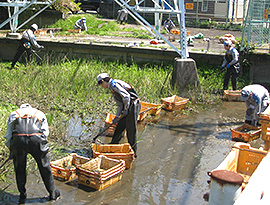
(75, 183)
(7, 198)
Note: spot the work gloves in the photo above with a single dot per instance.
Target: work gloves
(228, 66)
(41, 47)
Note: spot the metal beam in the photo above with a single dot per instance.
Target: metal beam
(136, 9)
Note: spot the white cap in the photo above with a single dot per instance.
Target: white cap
(25, 105)
(244, 95)
(101, 76)
(228, 43)
(34, 26)
(83, 19)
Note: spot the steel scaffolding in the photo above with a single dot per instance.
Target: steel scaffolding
(159, 7)
(16, 7)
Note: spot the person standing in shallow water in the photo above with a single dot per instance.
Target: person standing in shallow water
(128, 108)
(27, 132)
(231, 63)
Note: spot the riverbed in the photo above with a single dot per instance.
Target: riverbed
(175, 152)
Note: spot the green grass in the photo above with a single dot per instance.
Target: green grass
(98, 26)
(68, 87)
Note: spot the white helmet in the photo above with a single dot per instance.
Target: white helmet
(101, 76)
(227, 43)
(34, 26)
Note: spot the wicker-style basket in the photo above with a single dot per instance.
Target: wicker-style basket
(174, 103)
(246, 133)
(115, 151)
(65, 168)
(100, 172)
(156, 108)
(232, 95)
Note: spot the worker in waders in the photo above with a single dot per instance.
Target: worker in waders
(231, 65)
(256, 98)
(128, 108)
(28, 40)
(27, 132)
(81, 24)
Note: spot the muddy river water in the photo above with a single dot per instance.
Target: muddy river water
(174, 155)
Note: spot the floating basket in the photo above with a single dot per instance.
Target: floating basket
(246, 133)
(174, 103)
(232, 95)
(100, 172)
(115, 151)
(156, 108)
(65, 168)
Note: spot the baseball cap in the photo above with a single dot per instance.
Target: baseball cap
(244, 95)
(101, 76)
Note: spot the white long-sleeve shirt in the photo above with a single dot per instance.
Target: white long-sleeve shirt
(260, 95)
(26, 109)
(30, 36)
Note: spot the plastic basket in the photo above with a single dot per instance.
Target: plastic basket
(246, 133)
(174, 103)
(100, 172)
(243, 159)
(232, 95)
(115, 151)
(156, 108)
(65, 168)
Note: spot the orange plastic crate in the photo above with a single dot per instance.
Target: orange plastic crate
(232, 95)
(115, 151)
(246, 133)
(100, 172)
(156, 108)
(243, 159)
(174, 103)
(65, 168)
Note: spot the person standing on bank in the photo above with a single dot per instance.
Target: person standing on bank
(256, 98)
(28, 40)
(128, 109)
(231, 64)
(27, 132)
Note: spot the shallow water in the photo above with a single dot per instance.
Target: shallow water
(174, 155)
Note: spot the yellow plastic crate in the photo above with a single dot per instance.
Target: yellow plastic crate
(100, 172)
(232, 95)
(115, 151)
(246, 133)
(243, 159)
(156, 108)
(174, 103)
(65, 168)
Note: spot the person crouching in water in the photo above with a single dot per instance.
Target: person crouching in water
(232, 65)
(128, 109)
(28, 40)
(257, 98)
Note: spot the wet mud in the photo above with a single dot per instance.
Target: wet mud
(174, 155)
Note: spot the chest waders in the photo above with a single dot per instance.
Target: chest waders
(128, 122)
(27, 138)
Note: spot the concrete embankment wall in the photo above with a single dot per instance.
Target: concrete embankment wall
(259, 70)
